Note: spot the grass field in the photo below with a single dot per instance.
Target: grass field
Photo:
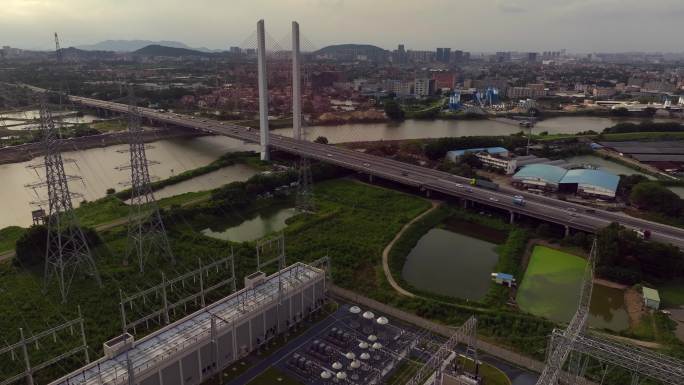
(672, 295)
(404, 372)
(274, 376)
(551, 284)
(8, 236)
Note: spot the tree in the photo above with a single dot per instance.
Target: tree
(30, 248)
(393, 110)
(321, 140)
(471, 160)
(627, 182)
(655, 197)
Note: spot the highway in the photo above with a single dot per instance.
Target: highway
(550, 209)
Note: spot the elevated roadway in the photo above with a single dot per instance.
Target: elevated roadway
(549, 209)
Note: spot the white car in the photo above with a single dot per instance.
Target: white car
(493, 199)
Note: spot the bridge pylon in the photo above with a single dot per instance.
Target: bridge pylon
(263, 90)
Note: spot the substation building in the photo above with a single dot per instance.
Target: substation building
(198, 346)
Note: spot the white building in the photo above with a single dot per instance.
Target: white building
(423, 86)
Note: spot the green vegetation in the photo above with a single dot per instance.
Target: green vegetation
(110, 125)
(406, 369)
(274, 376)
(393, 110)
(510, 262)
(646, 126)
(101, 211)
(671, 294)
(8, 237)
(624, 257)
(657, 198)
(551, 270)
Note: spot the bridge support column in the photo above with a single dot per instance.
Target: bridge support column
(512, 218)
(296, 85)
(465, 203)
(370, 178)
(427, 193)
(263, 90)
(567, 231)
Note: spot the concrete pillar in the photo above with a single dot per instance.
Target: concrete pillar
(465, 203)
(263, 90)
(567, 231)
(296, 84)
(427, 193)
(512, 219)
(370, 178)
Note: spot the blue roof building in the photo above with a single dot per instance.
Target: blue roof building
(585, 182)
(592, 182)
(544, 176)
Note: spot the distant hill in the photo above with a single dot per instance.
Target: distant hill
(337, 48)
(160, 50)
(134, 45)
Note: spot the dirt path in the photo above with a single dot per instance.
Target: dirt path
(385, 252)
(634, 306)
(611, 284)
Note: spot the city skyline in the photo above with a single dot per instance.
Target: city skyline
(491, 25)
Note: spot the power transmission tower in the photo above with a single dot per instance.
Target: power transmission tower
(557, 355)
(58, 50)
(304, 201)
(67, 247)
(146, 232)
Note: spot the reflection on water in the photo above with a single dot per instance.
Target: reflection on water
(451, 264)
(607, 309)
(97, 167)
(257, 227)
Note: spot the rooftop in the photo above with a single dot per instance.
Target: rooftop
(154, 348)
(548, 173)
(651, 294)
(596, 178)
(490, 150)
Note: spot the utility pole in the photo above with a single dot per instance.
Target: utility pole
(146, 232)
(67, 248)
(263, 91)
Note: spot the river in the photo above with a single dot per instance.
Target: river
(417, 129)
(97, 168)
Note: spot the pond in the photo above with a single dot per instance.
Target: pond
(452, 264)
(605, 165)
(255, 227)
(551, 288)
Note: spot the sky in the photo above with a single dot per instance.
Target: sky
(472, 25)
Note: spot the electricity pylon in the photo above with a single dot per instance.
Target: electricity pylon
(67, 248)
(146, 232)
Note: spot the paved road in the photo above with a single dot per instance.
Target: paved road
(541, 207)
(285, 351)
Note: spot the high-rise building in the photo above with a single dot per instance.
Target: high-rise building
(531, 56)
(444, 79)
(423, 86)
(400, 54)
(443, 55)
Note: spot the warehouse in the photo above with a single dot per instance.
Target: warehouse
(539, 176)
(495, 157)
(198, 346)
(587, 183)
(590, 183)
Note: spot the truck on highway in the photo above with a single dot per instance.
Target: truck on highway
(484, 184)
(519, 200)
(643, 234)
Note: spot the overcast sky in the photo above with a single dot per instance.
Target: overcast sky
(473, 25)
